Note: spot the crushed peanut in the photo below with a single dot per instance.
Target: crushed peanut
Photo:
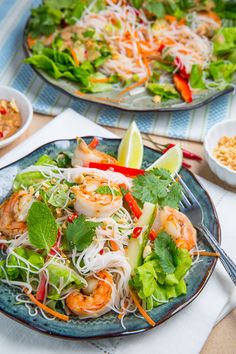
(225, 152)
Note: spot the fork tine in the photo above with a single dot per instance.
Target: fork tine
(190, 195)
(186, 200)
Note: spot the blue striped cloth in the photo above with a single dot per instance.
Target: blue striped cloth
(191, 125)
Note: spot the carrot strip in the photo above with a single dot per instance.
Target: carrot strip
(74, 56)
(30, 41)
(46, 308)
(170, 18)
(105, 80)
(114, 246)
(131, 87)
(145, 61)
(207, 254)
(141, 310)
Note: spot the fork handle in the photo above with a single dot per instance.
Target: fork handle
(227, 262)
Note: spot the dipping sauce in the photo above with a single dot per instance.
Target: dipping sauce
(225, 152)
(10, 118)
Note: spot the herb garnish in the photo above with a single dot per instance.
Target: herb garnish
(42, 226)
(157, 187)
(166, 252)
(80, 232)
(107, 190)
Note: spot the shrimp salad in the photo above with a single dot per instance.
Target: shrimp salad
(168, 49)
(81, 236)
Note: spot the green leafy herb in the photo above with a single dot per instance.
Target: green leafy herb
(89, 33)
(107, 190)
(166, 252)
(45, 160)
(166, 91)
(80, 233)
(155, 8)
(63, 160)
(157, 187)
(196, 77)
(222, 70)
(27, 179)
(42, 226)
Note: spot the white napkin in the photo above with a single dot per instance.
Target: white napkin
(186, 332)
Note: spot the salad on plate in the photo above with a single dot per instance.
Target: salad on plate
(82, 235)
(166, 50)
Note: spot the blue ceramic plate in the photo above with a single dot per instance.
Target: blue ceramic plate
(108, 325)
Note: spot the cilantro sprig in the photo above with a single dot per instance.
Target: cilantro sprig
(80, 233)
(157, 187)
(166, 252)
(107, 190)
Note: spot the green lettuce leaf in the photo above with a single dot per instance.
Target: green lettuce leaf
(27, 179)
(166, 91)
(60, 277)
(225, 40)
(222, 70)
(196, 77)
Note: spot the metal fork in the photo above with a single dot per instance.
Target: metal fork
(192, 209)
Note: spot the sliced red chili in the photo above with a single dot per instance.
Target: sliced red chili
(3, 110)
(152, 235)
(126, 171)
(72, 217)
(94, 143)
(183, 87)
(137, 231)
(133, 205)
(187, 154)
(1, 134)
(41, 291)
(101, 251)
(186, 165)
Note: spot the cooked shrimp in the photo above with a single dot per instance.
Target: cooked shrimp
(92, 203)
(13, 213)
(84, 154)
(178, 226)
(95, 299)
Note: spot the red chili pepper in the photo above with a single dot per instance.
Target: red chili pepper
(187, 154)
(101, 251)
(137, 231)
(42, 287)
(182, 68)
(126, 171)
(183, 87)
(160, 49)
(152, 235)
(72, 217)
(1, 134)
(41, 290)
(94, 143)
(3, 110)
(186, 165)
(133, 205)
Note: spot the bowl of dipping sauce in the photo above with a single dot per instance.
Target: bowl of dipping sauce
(15, 114)
(220, 151)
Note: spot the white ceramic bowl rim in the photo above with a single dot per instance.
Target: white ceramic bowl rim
(210, 153)
(28, 119)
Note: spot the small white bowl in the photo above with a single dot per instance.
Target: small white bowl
(226, 128)
(25, 109)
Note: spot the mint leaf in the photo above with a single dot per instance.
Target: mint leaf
(166, 252)
(42, 226)
(80, 233)
(106, 190)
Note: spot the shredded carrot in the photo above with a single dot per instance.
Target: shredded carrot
(141, 310)
(170, 19)
(46, 308)
(74, 56)
(182, 243)
(123, 311)
(147, 67)
(182, 22)
(114, 246)
(204, 253)
(104, 80)
(131, 87)
(212, 15)
(30, 41)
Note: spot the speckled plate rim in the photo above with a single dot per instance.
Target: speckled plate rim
(182, 107)
(170, 313)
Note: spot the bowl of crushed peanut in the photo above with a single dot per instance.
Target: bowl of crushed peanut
(15, 114)
(220, 151)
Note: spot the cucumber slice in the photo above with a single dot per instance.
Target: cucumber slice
(136, 245)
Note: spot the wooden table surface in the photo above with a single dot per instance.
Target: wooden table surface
(222, 339)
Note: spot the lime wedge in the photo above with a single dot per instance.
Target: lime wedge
(130, 152)
(171, 160)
